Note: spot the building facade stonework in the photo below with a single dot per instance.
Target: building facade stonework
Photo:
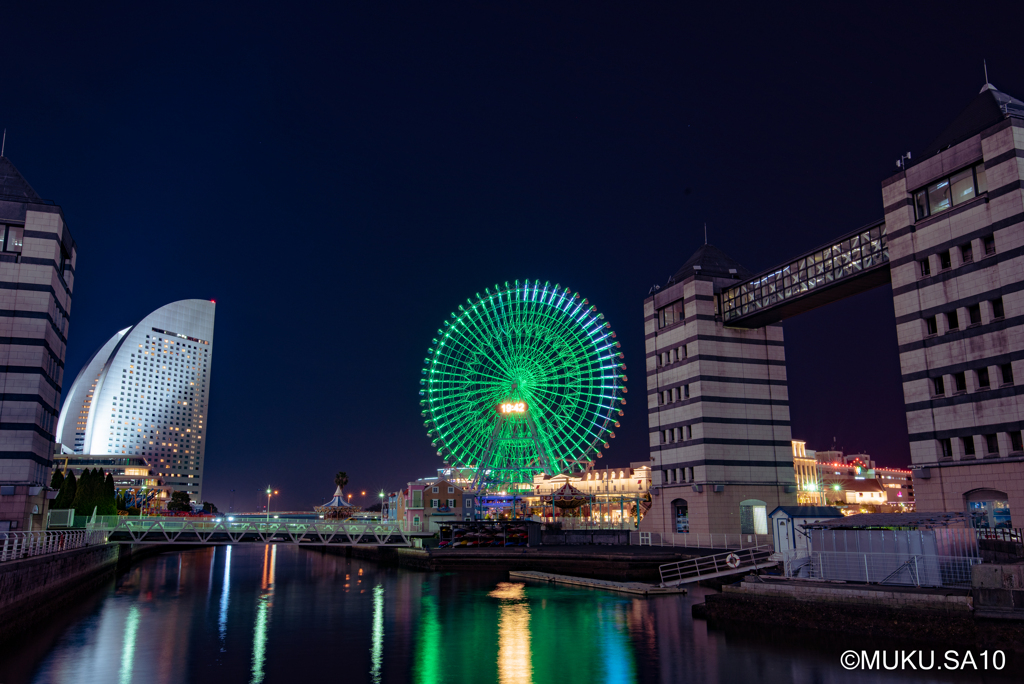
(37, 275)
(718, 408)
(955, 222)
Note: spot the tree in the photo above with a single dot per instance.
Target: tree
(209, 508)
(109, 505)
(67, 493)
(57, 481)
(180, 501)
(88, 495)
(341, 479)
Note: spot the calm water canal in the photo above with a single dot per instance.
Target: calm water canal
(280, 614)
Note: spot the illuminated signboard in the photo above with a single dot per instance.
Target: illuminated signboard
(510, 407)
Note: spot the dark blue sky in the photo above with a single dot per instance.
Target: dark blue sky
(340, 179)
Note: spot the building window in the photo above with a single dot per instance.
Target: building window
(939, 386)
(1015, 442)
(451, 490)
(966, 253)
(434, 490)
(13, 243)
(671, 314)
(931, 325)
(1007, 372)
(689, 432)
(950, 192)
(974, 314)
(983, 381)
(997, 308)
(681, 510)
(960, 379)
(753, 517)
(686, 391)
(946, 448)
(433, 503)
(682, 351)
(451, 503)
(992, 444)
(989, 244)
(952, 321)
(944, 260)
(968, 443)
(926, 267)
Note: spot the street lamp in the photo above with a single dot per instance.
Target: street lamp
(269, 493)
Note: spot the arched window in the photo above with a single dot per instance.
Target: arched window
(753, 517)
(988, 508)
(681, 511)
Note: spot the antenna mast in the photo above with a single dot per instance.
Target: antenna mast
(984, 65)
(4, 143)
(705, 233)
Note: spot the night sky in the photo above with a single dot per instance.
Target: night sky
(339, 180)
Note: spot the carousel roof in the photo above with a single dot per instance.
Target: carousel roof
(338, 501)
(568, 493)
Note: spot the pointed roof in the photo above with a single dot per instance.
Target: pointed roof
(988, 108)
(13, 184)
(710, 261)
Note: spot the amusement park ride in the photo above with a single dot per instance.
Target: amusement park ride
(525, 379)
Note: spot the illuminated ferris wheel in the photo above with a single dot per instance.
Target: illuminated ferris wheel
(525, 379)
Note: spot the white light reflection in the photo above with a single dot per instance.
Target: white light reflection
(377, 648)
(222, 623)
(131, 629)
(514, 663)
(265, 603)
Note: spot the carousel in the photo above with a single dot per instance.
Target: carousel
(337, 508)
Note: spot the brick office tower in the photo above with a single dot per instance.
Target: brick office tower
(718, 408)
(37, 266)
(956, 242)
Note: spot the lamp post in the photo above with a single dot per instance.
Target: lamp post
(269, 494)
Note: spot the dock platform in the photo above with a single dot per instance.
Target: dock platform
(636, 588)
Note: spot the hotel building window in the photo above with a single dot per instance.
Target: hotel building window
(1015, 442)
(974, 314)
(966, 253)
(983, 381)
(952, 320)
(939, 386)
(1007, 372)
(946, 448)
(968, 444)
(960, 380)
(992, 444)
(944, 260)
(989, 244)
(926, 267)
(931, 325)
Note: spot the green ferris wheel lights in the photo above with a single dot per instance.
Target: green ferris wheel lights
(527, 378)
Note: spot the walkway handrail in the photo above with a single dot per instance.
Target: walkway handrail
(16, 545)
(695, 569)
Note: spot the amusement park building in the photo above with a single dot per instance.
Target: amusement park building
(146, 393)
(37, 275)
(951, 243)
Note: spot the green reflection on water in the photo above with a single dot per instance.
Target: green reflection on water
(131, 630)
(519, 634)
(377, 649)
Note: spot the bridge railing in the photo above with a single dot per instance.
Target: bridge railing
(696, 540)
(138, 524)
(16, 545)
(718, 565)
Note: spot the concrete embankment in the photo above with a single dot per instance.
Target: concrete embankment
(621, 563)
(32, 589)
(865, 615)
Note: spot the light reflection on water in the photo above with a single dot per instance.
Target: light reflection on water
(514, 665)
(285, 614)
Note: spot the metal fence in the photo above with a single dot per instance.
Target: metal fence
(695, 540)
(718, 565)
(15, 545)
(906, 569)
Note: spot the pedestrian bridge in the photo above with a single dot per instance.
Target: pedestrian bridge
(125, 530)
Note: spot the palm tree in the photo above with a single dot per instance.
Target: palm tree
(341, 479)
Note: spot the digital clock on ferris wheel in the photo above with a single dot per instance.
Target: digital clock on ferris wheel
(511, 407)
